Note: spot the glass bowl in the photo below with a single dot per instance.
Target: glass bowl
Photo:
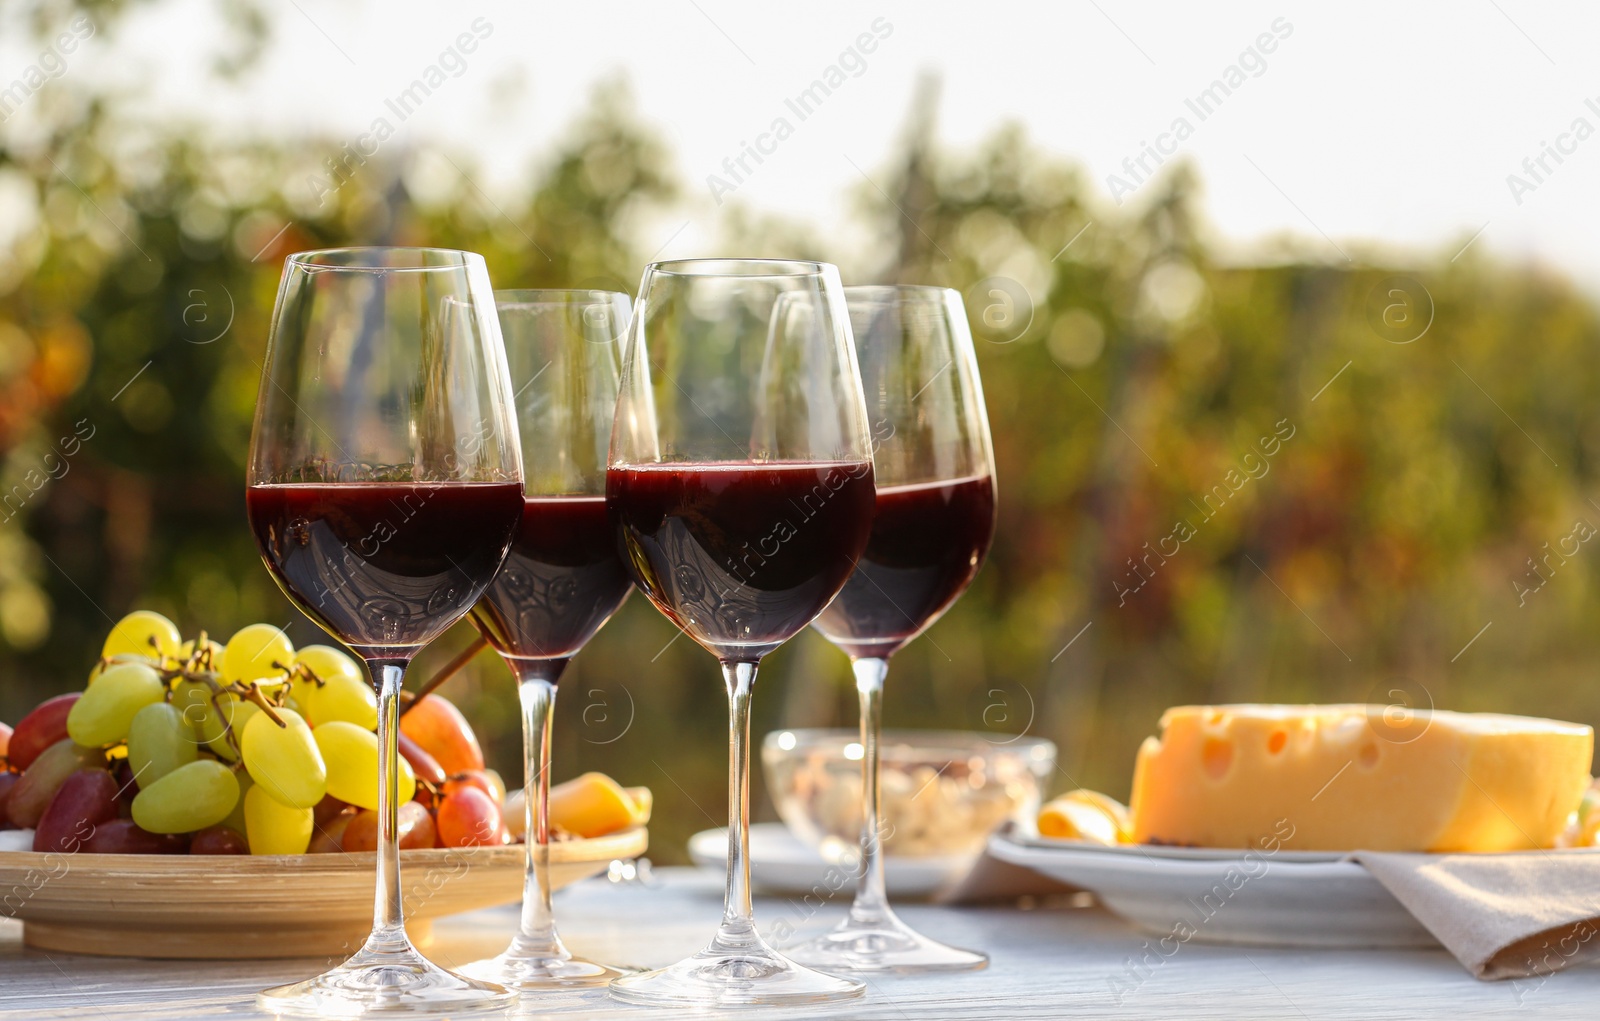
(944, 791)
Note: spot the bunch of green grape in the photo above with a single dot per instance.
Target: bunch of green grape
(236, 744)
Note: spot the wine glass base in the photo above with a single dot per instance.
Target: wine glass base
(384, 982)
(734, 977)
(886, 945)
(528, 973)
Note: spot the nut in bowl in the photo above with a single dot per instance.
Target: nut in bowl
(944, 792)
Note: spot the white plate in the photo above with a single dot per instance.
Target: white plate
(1291, 898)
(781, 863)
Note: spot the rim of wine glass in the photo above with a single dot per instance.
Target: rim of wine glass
(519, 297)
(741, 267)
(322, 259)
(896, 292)
(953, 744)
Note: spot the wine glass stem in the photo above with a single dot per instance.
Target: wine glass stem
(738, 924)
(388, 917)
(536, 687)
(871, 901)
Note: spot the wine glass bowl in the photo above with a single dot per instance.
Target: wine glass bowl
(563, 578)
(384, 485)
(731, 435)
(380, 440)
(740, 484)
(933, 522)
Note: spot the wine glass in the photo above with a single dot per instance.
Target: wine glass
(934, 466)
(385, 484)
(740, 482)
(563, 579)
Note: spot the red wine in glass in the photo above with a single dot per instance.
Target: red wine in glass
(928, 540)
(742, 556)
(933, 524)
(383, 488)
(740, 481)
(561, 581)
(384, 564)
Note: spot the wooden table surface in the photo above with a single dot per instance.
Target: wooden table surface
(1057, 961)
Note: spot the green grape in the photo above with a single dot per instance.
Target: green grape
(284, 761)
(106, 710)
(187, 651)
(159, 741)
(102, 665)
(236, 715)
(193, 700)
(271, 827)
(300, 689)
(235, 820)
(327, 663)
(347, 699)
(252, 650)
(213, 722)
(189, 798)
(351, 754)
(136, 632)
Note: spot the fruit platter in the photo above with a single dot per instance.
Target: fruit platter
(117, 801)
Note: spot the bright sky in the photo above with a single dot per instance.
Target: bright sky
(1390, 121)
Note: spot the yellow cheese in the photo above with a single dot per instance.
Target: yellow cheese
(1348, 777)
(1084, 815)
(593, 805)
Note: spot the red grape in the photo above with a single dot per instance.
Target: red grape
(40, 729)
(7, 781)
(424, 765)
(34, 792)
(218, 840)
(328, 808)
(416, 829)
(468, 818)
(86, 799)
(326, 837)
(123, 836)
(482, 780)
(423, 834)
(127, 789)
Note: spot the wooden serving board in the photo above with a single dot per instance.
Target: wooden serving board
(299, 905)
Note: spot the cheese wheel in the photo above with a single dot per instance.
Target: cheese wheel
(1349, 777)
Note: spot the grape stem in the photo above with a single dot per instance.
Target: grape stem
(253, 694)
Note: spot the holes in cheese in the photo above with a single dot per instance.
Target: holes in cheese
(1346, 777)
(1368, 755)
(1217, 756)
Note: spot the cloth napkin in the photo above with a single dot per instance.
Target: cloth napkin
(1515, 915)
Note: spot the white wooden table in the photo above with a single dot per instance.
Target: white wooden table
(1050, 962)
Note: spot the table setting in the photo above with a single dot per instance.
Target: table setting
(758, 449)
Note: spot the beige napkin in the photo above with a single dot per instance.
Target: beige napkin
(1502, 915)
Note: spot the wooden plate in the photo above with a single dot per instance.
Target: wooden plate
(299, 905)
